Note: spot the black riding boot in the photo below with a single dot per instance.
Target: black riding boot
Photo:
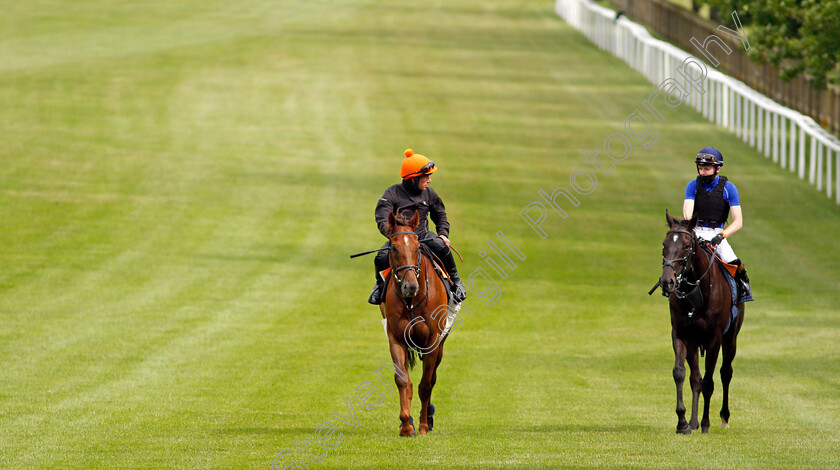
(742, 278)
(459, 292)
(376, 296)
(380, 263)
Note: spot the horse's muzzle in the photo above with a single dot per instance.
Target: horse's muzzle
(668, 284)
(410, 289)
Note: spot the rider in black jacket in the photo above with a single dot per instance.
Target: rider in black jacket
(413, 194)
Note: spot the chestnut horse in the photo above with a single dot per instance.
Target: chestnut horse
(415, 308)
(697, 322)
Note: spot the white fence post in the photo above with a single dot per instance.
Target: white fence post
(819, 164)
(812, 175)
(801, 152)
(775, 135)
(768, 130)
(792, 145)
(750, 124)
(783, 142)
(759, 128)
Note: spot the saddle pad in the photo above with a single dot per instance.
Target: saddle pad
(733, 289)
(444, 276)
(441, 272)
(730, 268)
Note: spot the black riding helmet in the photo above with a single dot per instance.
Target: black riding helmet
(709, 156)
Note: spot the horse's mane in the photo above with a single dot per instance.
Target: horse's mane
(402, 219)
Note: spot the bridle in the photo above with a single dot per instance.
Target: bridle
(413, 267)
(685, 267)
(691, 289)
(405, 268)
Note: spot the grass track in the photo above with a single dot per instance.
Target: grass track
(181, 185)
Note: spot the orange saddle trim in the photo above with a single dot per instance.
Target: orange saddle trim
(440, 270)
(732, 268)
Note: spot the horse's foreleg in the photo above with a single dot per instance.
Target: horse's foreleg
(427, 383)
(694, 380)
(679, 379)
(403, 381)
(709, 381)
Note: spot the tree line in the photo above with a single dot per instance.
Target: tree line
(797, 36)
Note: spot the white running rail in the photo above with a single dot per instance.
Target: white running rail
(790, 138)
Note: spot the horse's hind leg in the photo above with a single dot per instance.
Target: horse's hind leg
(427, 383)
(730, 343)
(709, 381)
(725, 378)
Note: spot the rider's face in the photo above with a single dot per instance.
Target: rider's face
(424, 181)
(706, 170)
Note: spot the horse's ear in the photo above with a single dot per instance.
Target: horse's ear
(693, 222)
(669, 219)
(415, 221)
(392, 222)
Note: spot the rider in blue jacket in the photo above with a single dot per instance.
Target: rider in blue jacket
(713, 198)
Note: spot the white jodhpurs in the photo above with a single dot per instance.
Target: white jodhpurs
(724, 251)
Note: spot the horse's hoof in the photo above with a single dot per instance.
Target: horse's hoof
(411, 431)
(705, 430)
(724, 424)
(684, 430)
(694, 425)
(410, 422)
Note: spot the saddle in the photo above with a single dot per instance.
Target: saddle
(738, 296)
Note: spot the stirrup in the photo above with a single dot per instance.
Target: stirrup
(459, 292)
(745, 287)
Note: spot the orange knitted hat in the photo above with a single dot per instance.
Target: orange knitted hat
(415, 164)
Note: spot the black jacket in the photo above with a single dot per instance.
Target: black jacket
(407, 199)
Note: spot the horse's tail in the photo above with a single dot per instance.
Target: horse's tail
(410, 358)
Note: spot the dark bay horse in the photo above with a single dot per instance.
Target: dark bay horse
(415, 308)
(697, 323)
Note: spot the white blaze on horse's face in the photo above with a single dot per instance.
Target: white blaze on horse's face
(675, 238)
(405, 239)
